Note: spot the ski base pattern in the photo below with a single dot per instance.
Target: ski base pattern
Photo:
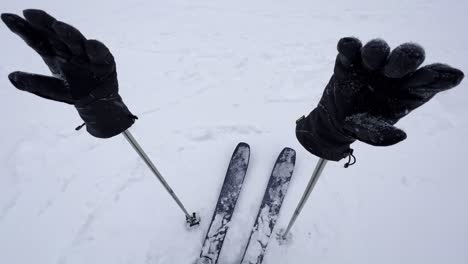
(270, 207)
(226, 203)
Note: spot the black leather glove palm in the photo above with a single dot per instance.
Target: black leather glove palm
(370, 90)
(84, 72)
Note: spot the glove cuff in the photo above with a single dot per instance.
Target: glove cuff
(317, 135)
(105, 117)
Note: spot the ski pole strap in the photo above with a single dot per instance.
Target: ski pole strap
(80, 126)
(350, 156)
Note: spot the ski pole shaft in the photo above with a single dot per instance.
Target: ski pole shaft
(150, 164)
(310, 186)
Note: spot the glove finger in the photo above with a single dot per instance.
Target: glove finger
(98, 53)
(349, 49)
(39, 18)
(373, 130)
(421, 86)
(374, 54)
(433, 78)
(404, 60)
(71, 36)
(43, 21)
(43, 86)
(27, 32)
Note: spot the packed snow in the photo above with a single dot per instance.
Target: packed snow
(203, 76)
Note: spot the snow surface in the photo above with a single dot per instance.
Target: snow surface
(202, 76)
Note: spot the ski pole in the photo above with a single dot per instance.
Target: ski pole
(191, 219)
(310, 186)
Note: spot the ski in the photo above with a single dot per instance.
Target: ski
(225, 206)
(270, 207)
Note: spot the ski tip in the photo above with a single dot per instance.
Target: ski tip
(243, 149)
(243, 144)
(288, 149)
(288, 154)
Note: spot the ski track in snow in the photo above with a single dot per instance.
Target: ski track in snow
(9, 205)
(203, 76)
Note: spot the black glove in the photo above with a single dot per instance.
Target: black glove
(84, 72)
(370, 90)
